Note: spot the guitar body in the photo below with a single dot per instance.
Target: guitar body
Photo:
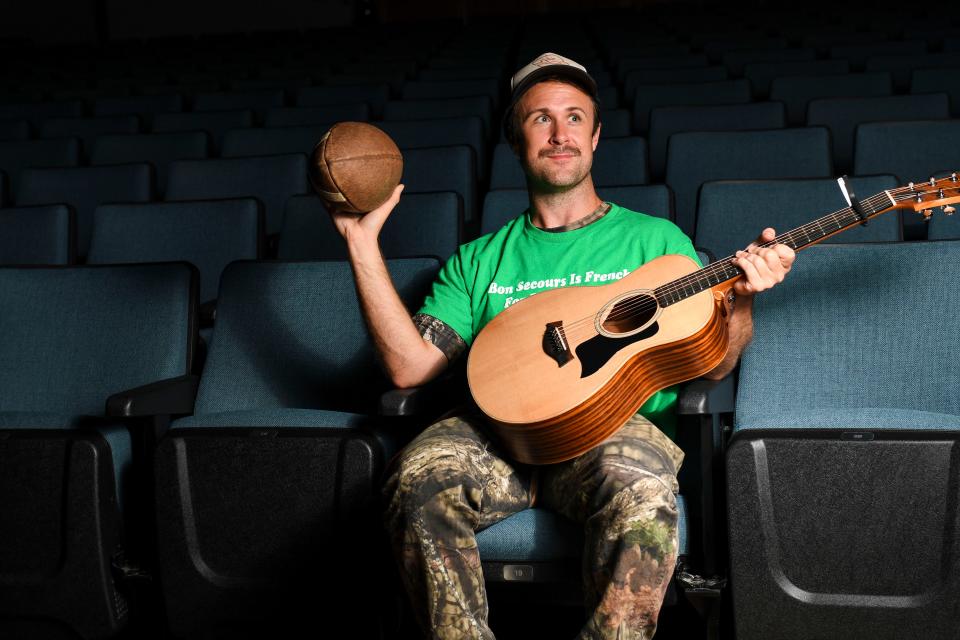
(561, 371)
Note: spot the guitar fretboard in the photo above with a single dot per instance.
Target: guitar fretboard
(797, 239)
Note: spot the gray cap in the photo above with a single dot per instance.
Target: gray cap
(550, 64)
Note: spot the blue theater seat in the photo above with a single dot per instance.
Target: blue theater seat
(14, 130)
(88, 128)
(37, 235)
(842, 468)
(159, 149)
(73, 482)
(215, 123)
(694, 158)
(84, 188)
(375, 95)
(239, 143)
(912, 151)
(312, 116)
(436, 169)
(732, 213)
(280, 471)
(422, 224)
(480, 106)
(210, 234)
(442, 132)
(648, 96)
(270, 179)
(797, 91)
(17, 155)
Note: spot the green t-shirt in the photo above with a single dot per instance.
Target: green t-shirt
(491, 273)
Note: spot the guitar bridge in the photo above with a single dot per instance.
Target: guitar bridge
(555, 343)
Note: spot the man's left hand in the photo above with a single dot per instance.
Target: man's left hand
(762, 266)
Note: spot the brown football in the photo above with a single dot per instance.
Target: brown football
(355, 167)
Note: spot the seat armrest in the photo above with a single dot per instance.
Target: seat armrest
(173, 396)
(706, 397)
(208, 313)
(408, 402)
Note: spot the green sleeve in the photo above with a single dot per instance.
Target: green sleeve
(449, 299)
(678, 242)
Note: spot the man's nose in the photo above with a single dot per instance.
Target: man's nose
(559, 133)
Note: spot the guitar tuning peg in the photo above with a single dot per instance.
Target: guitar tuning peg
(933, 181)
(927, 214)
(949, 210)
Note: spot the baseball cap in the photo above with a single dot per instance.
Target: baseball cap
(550, 64)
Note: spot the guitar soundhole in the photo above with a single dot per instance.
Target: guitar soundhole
(630, 314)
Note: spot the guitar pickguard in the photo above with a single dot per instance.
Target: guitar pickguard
(597, 351)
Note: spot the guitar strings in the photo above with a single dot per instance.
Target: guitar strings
(648, 302)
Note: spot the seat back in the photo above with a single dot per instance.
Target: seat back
(842, 469)
(441, 132)
(37, 112)
(291, 335)
(159, 149)
(84, 188)
(797, 91)
(443, 169)
(374, 95)
(37, 235)
(422, 224)
(270, 179)
(901, 66)
(938, 81)
(208, 234)
(648, 96)
(14, 130)
(480, 106)
(762, 74)
(912, 151)
(731, 214)
(665, 121)
(17, 155)
(239, 143)
(87, 129)
(697, 157)
(257, 101)
(842, 115)
(313, 116)
(215, 123)
(128, 326)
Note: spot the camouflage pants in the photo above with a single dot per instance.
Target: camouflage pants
(451, 482)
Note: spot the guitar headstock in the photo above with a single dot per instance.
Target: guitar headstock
(924, 197)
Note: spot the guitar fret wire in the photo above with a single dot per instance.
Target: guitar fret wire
(842, 218)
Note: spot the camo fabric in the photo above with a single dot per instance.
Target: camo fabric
(452, 481)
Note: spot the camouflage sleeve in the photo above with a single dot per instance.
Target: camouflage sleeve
(440, 334)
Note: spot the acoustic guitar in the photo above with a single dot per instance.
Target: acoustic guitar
(559, 372)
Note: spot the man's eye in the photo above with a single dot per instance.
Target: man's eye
(542, 118)
(575, 117)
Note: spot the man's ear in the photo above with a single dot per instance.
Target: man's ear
(596, 136)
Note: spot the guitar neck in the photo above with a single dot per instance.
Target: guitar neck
(797, 239)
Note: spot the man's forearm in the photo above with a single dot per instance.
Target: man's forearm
(407, 359)
(739, 334)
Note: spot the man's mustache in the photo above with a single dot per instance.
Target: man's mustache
(559, 151)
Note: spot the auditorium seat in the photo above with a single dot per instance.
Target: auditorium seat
(797, 92)
(901, 66)
(912, 151)
(666, 121)
(842, 115)
(443, 169)
(257, 101)
(617, 161)
(207, 234)
(281, 473)
(628, 64)
(858, 53)
(688, 75)
(215, 123)
(74, 483)
(694, 158)
(422, 224)
(440, 90)
(88, 128)
(84, 188)
(37, 112)
(14, 130)
(938, 81)
(480, 106)
(732, 213)
(737, 59)
(442, 132)
(159, 149)
(648, 96)
(37, 235)
(273, 141)
(17, 155)
(144, 106)
(762, 74)
(375, 96)
(312, 116)
(270, 179)
(841, 470)
(502, 205)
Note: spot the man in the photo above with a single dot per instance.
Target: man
(452, 480)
